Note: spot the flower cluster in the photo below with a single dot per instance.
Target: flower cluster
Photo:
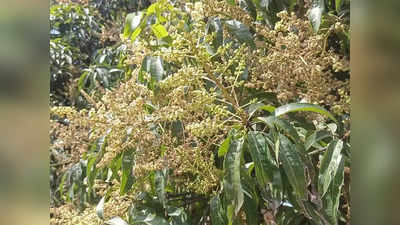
(298, 66)
(180, 123)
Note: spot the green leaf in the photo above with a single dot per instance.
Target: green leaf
(232, 186)
(293, 166)
(251, 200)
(263, 161)
(159, 30)
(315, 14)
(232, 2)
(100, 208)
(249, 6)
(62, 183)
(153, 66)
(240, 31)
(132, 23)
(82, 80)
(160, 180)
(127, 177)
(223, 148)
(152, 8)
(229, 213)
(252, 108)
(215, 25)
(338, 5)
(329, 165)
(91, 172)
(145, 215)
(315, 137)
(217, 211)
(295, 107)
(136, 33)
(178, 215)
(284, 125)
(331, 199)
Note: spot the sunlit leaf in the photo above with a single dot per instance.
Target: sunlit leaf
(329, 165)
(132, 22)
(331, 200)
(82, 80)
(116, 221)
(100, 208)
(223, 148)
(295, 107)
(159, 30)
(315, 14)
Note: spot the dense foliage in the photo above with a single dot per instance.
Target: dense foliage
(200, 112)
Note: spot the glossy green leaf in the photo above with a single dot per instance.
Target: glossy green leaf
(232, 186)
(240, 31)
(294, 167)
(100, 208)
(329, 165)
(132, 22)
(251, 109)
(159, 30)
(263, 161)
(223, 148)
(331, 200)
(283, 125)
(315, 14)
(315, 137)
(217, 211)
(295, 107)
